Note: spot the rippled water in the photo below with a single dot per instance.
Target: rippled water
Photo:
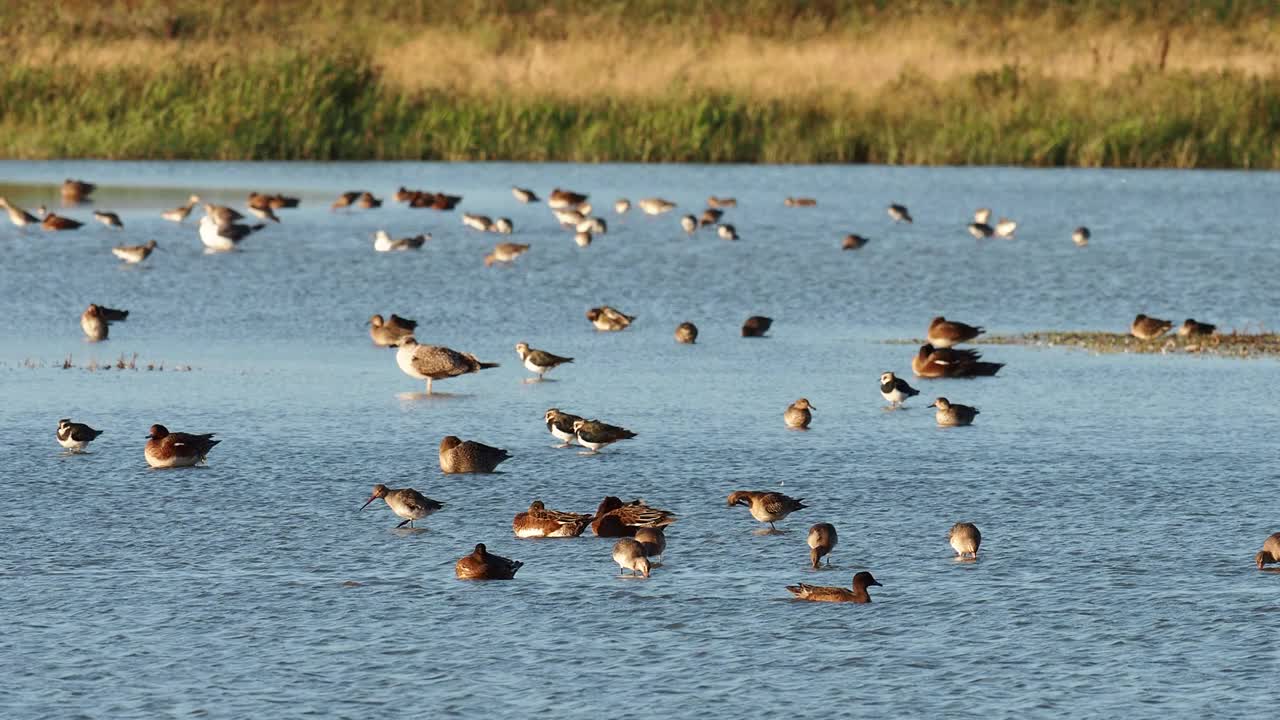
(1121, 498)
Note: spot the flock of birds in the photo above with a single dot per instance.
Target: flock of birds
(638, 527)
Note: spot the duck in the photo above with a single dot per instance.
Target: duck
(767, 507)
(539, 361)
(951, 414)
(656, 206)
(443, 201)
(109, 219)
(382, 242)
(569, 217)
(594, 225)
(931, 362)
(367, 201)
(895, 389)
(981, 231)
(721, 202)
(56, 222)
(505, 253)
(503, 226)
(76, 191)
(798, 415)
(1193, 328)
(483, 223)
(653, 540)
(434, 362)
(800, 202)
(560, 425)
(621, 206)
(853, 241)
(982, 216)
(261, 201)
(815, 593)
(17, 215)
(524, 195)
(822, 540)
(899, 213)
(965, 539)
(134, 254)
(389, 332)
(167, 450)
(607, 319)
(727, 232)
(1081, 236)
(710, 216)
(460, 457)
(562, 199)
(617, 519)
(582, 239)
(346, 199)
(96, 319)
(221, 214)
(181, 212)
(1149, 328)
(689, 224)
(482, 565)
(593, 434)
(756, 326)
(944, 333)
(75, 436)
(405, 195)
(629, 555)
(687, 333)
(404, 502)
(224, 238)
(1005, 228)
(1270, 552)
(539, 522)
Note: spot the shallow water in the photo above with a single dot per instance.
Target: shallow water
(1121, 498)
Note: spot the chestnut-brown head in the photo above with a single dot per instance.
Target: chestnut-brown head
(608, 504)
(803, 404)
(449, 442)
(740, 497)
(157, 431)
(536, 505)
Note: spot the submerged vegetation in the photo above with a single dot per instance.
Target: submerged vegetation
(1134, 83)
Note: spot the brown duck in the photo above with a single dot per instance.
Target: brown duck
(481, 565)
(458, 456)
(816, 593)
(614, 519)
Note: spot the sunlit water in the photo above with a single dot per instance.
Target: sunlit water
(1121, 498)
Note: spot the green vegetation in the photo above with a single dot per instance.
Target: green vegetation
(1089, 83)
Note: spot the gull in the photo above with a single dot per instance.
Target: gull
(433, 362)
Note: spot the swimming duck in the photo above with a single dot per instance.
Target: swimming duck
(621, 206)
(505, 253)
(1081, 235)
(109, 219)
(482, 565)
(1149, 328)
(96, 320)
(895, 389)
(54, 221)
(458, 456)
(722, 202)
(899, 213)
(539, 361)
(1192, 328)
(368, 201)
(653, 540)
(76, 191)
(931, 362)
(389, 332)
(382, 242)
(524, 195)
(593, 225)
(629, 555)
(656, 206)
(433, 362)
(756, 326)
(689, 224)
(944, 333)
(965, 539)
(563, 199)
(815, 593)
(569, 217)
(727, 232)
(767, 507)
(167, 450)
(798, 415)
(710, 216)
(616, 519)
(346, 199)
(404, 502)
(75, 436)
(560, 425)
(799, 202)
(853, 242)
(608, 319)
(593, 434)
(134, 254)
(539, 522)
(582, 239)
(687, 333)
(181, 212)
(952, 414)
(821, 541)
(1270, 552)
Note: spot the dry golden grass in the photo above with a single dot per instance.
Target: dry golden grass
(606, 59)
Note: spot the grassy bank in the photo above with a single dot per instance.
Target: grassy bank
(1231, 344)
(1097, 83)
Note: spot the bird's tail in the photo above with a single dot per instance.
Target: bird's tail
(486, 366)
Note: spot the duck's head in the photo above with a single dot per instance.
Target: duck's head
(941, 403)
(803, 404)
(739, 497)
(449, 442)
(865, 579)
(156, 432)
